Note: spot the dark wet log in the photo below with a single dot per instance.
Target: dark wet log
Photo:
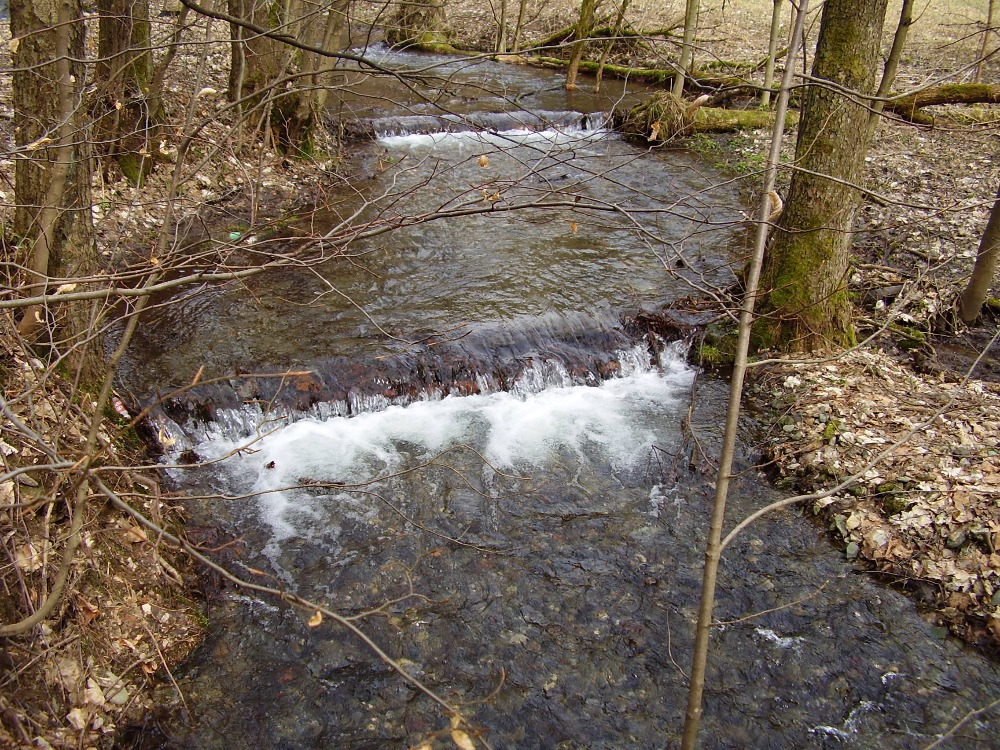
(909, 107)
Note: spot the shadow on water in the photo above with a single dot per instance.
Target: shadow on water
(515, 516)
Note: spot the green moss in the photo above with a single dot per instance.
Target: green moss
(832, 429)
(795, 314)
(135, 168)
(718, 346)
(908, 337)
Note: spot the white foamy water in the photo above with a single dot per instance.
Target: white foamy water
(506, 138)
(612, 425)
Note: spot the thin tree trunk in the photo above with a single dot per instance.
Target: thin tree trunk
(713, 547)
(772, 51)
(687, 49)
(334, 38)
(987, 33)
(972, 299)
(892, 63)
(155, 98)
(619, 25)
(124, 71)
(502, 35)
(522, 9)
(583, 28)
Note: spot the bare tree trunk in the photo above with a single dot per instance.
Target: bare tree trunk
(616, 32)
(334, 38)
(584, 26)
(987, 33)
(155, 97)
(892, 62)
(805, 273)
(972, 299)
(259, 61)
(772, 51)
(687, 48)
(522, 9)
(713, 546)
(502, 22)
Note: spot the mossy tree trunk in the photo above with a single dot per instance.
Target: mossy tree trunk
(417, 21)
(805, 304)
(122, 120)
(261, 66)
(52, 218)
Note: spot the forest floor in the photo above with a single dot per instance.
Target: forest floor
(906, 410)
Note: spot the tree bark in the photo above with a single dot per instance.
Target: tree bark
(972, 299)
(987, 33)
(805, 304)
(124, 71)
(417, 21)
(892, 62)
(619, 25)
(522, 9)
(583, 28)
(52, 180)
(687, 48)
(259, 61)
(772, 53)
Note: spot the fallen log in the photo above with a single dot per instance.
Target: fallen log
(909, 107)
(658, 76)
(664, 117)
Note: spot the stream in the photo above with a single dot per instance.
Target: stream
(503, 477)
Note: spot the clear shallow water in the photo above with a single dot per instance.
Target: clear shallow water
(539, 540)
(481, 277)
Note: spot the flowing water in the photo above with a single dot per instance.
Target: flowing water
(488, 469)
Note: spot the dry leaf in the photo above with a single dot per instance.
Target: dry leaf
(78, 718)
(135, 534)
(315, 620)
(28, 558)
(35, 145)
(93, 693)
(462, 739)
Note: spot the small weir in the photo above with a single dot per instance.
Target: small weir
(494, 454)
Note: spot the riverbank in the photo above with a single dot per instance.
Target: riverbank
(926, 516)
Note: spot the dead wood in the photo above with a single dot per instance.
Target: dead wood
(909, 107)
